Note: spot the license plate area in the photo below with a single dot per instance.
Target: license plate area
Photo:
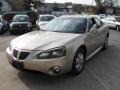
(17, 65)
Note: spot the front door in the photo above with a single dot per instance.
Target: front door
(101, 32)
(91, 38)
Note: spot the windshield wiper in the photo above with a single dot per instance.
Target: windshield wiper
(58, 31)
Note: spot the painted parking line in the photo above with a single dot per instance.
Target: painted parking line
(98, 79)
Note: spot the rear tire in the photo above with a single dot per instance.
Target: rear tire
(78, 62)
(12, 33)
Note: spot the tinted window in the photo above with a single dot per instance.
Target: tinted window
(102, 17)
(91, 23)
(46, 18)
(67, 25)
(108, 19)
(117, 19)
(21, 19)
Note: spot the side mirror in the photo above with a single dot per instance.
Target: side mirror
(93, 29)
(114, 20)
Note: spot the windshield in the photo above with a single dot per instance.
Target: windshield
(46, 18)
(20, 19)
(67, 25)
(117, 19)
(102, 17)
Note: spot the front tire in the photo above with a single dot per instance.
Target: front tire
(2, 30)
(78, 62)
(12, 33)
(106, 45)
(118, 28)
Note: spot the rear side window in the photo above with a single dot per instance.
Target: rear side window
(46, 18)
(117, 19)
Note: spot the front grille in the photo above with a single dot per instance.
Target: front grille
(20, 26)
(15, 53)
(21, 55)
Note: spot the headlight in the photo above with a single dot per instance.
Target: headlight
(29, 25)
(11, 25)
(42, 25)
(53, 53)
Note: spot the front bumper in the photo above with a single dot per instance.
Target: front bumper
(48, 66)
(21, 30)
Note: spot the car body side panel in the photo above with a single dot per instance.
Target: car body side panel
(102, 34)
(42, 41)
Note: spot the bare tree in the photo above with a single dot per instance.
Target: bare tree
(103, 4)
(55, 7)
(109, 3)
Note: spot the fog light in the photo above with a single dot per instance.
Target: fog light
(56, 69)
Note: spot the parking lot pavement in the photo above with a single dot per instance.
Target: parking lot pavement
(102, 72)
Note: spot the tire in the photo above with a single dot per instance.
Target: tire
(37, 27)
(2, 30)
(12, 33)
(118, 28)
(78, 62)
(106, 45)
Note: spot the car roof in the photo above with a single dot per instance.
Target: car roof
(46, 15)
(22, 15)
(78, 16)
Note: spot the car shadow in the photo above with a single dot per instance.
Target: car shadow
(7, 34)
(84, 81)
(39, 81)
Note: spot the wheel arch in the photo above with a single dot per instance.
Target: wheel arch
(82, 47)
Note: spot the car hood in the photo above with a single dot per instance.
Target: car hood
(42, 40)
(45, 22)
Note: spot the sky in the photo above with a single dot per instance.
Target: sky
(89, 2)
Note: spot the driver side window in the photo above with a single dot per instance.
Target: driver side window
(91, 23)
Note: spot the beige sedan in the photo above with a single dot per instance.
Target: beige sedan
(63, 45)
